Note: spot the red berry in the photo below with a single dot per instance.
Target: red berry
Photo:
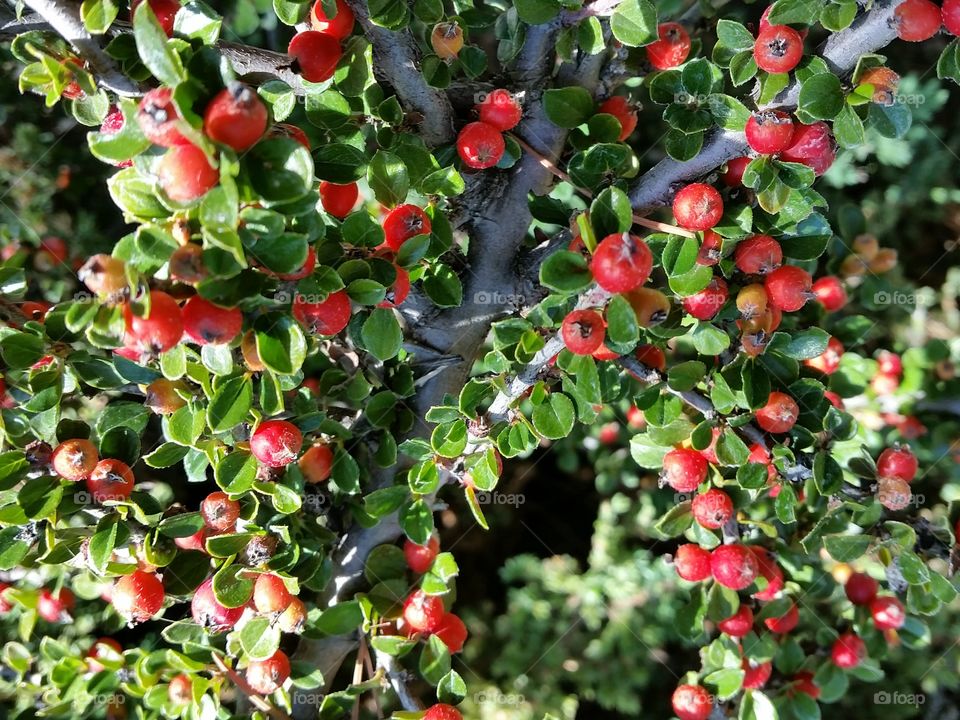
(734, 566)
(422, 612)
(769, 132)
(698, 207)
(803, 682)
(785, 623)
(480, 145)
(138, 597)
(788, 287)
(103, 648)
(323, 318)
(316, 463)
(294, 617)
(778, 49)
(889, 363)
(339, 26)
(861, 589)
(266, 676)
(950, 11)
(270, 594)
(399, 291)
(710, 249)
(74, 459)
(755, 675)
(779, 414)
(196, 542)
(812, 146)
(315, 55)
(292, 132)
(219, 512)
(110, 480)
(55, 608)
(209, 324)
(236, 117)
(403, 223)
(830, 293)
(207, 611)
(738, 624)
(160, 330)
(692, 702)
(501, 110)
(848, 651)
(165, 10)
(672, 47)
(276, 443)
(420, 557)
(712, 509)
(180, 689)
(338, 200)
(111, 125)
(769, 571)
(897, 462)
(185, 174)
(834, 399)
(709, 301)
(452, 632)
(827, 362)
(623, 112)
(692, 562)
(758, 255)
(442, 712)
(5, 605)
(917, 20)
(888, 613)
(684, 469)
(651, 356)
(733, 176)
(583, 331)
(158, 118)
(621, 262)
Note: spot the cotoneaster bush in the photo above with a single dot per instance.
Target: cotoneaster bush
(346, 288)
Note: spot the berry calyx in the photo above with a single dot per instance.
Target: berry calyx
(441, 711)
(276, 443)
(698, 207)
(684, 469)
(848, 651)
(712, 509)
(739, 624)
(501, 110)
(74, 459)
(420, 557)
(209, 324)
(219, 512)
(671, 48)
(159, 330)
(452, 632)
(56, 608)
(267, 676)
(830, 293)
(110, 480)
(897, 462)
(734, 566)
(207, 611)
(422, 612)
(316, 463)
(184, 174)
(788, 287)
(778, 49)
(446, 39)
(159, 119)
(651, 306)
(315, 55)
(779, 414)
(769, 132)
(888, 613)
(403, 223)
(339, 26)
(692, 702)
(137, 597)
(236, 117)
(861, 589)
(784, 623)
(917, 20)
(480, 145)
(270, 594)
(338, 200)
(758, 255)
(692, 562)
(323, 318)
(583, 331)
(620, 108)
(621, 262)
(812, 146)
(708, 302)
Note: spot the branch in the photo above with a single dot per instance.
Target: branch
(868, 33)
(256, 65)
(395, 55)
(395, 675)
(64, 18)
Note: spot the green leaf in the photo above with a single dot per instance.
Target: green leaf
(565, 272)
(634, 23)
(568, 107)
(281, 344)
(230, 404)
(280, 169)
(259, 638)
(388, 178)
(554, 417)
(844, 547)
(537, 12)
(154, 49)
(98, 15)
(381, 334)
(821, 96)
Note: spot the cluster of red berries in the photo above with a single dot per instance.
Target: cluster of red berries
(78, 460)
(896, 468)
(480, 144)
(919, 20)
(316, 52)
(425, 614)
